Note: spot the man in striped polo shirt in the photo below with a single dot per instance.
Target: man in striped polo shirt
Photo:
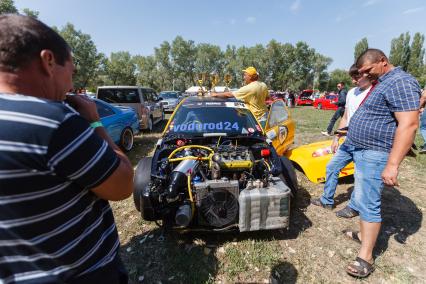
(58, 167)
(381, 131)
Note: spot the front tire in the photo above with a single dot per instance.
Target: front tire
(142, 179)
(289, 175)
(126, 139)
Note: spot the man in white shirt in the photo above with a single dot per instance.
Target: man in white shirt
(343, 154)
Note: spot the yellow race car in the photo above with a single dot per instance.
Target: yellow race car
(312, 159)
(280, 127)
(213, 169)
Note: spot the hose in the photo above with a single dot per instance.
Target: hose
(190, 196)
(190, 147)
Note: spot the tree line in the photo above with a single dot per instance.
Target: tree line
(175, 65)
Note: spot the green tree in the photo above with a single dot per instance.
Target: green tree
(86, 57)
(183, 55)
(230, 65)
(360, 47)
(302, 67)
(7, 6)
(400, 51)
(337, 76)
(120, 68)
(163, 68)
(417, 52)
(147, 72)
(30, 13)
(321, 76)
(209, 60)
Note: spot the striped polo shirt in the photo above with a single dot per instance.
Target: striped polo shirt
(52, 227)
(374, 124)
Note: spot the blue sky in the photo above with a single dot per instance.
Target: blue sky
(331, 27)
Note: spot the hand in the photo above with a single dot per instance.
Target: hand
(423, 99)
(389, 175)
(85, 106)
(335, 145)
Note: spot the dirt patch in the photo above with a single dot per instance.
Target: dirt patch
(313, 250)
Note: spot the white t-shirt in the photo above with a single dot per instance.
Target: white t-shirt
(353, 100)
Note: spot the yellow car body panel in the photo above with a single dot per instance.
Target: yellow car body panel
(284, 135)
(281, 128)
(315, 167)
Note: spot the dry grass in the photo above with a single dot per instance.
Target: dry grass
(313, 250)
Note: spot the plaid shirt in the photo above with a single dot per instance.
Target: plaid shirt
(373, 125)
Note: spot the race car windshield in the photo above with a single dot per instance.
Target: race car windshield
(198, 119)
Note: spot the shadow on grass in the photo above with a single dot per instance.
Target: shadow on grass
(191, 257)
(283, 272)
(176, 259)
(401, 219)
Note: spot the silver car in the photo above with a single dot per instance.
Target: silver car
(143, 100)
(169, 100)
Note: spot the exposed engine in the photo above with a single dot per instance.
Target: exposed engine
(219, 185)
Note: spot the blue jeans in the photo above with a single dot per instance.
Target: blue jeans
(423, 127)
(342, 157)
(366, 197)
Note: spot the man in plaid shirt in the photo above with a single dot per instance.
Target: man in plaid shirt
(382, 131)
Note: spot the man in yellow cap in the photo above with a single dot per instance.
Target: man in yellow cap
(254, 94)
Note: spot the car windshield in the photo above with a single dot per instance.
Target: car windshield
(305, 95)
(169, 95)
(202, 117)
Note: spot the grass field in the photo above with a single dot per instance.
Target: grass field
(313, 250)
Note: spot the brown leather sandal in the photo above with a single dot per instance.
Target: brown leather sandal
(346, 212)
(352, 235)
(360, 268)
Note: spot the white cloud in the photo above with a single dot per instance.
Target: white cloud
(295, 6)
(251, 20)
(413, 10)
(370, 3)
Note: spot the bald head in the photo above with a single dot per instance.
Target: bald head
(371, 55)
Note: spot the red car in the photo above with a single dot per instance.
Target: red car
(326, 102)
(304, 99)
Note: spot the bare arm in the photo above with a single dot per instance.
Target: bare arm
(119, 185)
(343, 123)
(222, 95)
(408, 122)
(423, 100)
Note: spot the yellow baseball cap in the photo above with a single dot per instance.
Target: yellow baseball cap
(250, 70)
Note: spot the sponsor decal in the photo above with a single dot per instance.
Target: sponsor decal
(282, 134)
(271, 134)
(212, 126)
(235, 104)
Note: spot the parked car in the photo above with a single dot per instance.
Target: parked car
(326, 102)
(120, 122)
(213, 169)
(169, 100)
(143, 100)
(304, 98)
(313, 159)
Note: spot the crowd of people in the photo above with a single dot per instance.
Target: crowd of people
(381, 116)
(59, 228)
